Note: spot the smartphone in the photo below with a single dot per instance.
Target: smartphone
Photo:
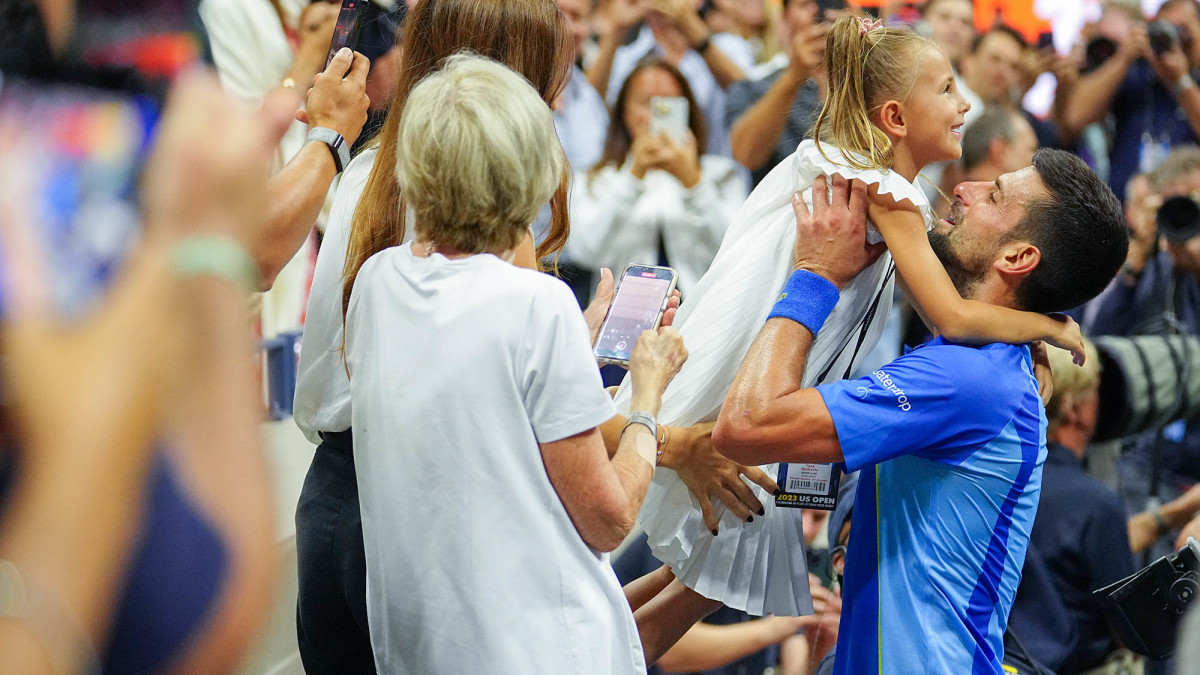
(345, 32)
(73, 159)
(73, 143)
(641, 299)
(669, 114)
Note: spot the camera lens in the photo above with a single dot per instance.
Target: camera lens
(1163, 36)
(1098, 51)
(1178, 219)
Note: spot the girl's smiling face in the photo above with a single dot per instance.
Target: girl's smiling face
(934, 111)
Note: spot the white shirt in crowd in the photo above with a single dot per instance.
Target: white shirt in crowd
(581, 120)
(617, 219)
(322, 401)
(459, 369)
(708, 94)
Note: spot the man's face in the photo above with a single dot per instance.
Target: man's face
(1184, 16)
(1019, 151)
(992, 71)
(981, 215)
(576, 13)
(953, 26)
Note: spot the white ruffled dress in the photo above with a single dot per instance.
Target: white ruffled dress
(758, 567)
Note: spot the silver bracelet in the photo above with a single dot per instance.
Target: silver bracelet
(645, 419)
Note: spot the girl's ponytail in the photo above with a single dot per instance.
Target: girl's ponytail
(867, 65)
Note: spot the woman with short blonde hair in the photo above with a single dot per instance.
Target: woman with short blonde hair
(488, 497)
(460, 162)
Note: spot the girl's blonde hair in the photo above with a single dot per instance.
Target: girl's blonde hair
(477, 155)
(866, 68)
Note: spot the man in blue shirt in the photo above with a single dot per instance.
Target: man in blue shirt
(949, 439)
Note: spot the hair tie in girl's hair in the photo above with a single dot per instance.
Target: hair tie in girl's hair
(865, 24)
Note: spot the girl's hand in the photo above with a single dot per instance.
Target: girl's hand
(1042, 371)
(1069, 338)
(681, 161)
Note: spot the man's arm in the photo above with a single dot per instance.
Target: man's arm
(683, 15)
(756, 132)
(294, 196)
(1091, 98)
(767, 416)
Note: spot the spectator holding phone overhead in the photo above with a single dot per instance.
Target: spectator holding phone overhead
(653, 198)
(520, 549)
(262, 45)
(770, 116)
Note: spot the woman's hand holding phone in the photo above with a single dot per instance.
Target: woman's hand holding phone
(597, 310)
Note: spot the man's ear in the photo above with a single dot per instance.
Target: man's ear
(1018, 259)
(891, 119)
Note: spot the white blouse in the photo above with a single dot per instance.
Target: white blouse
(322, 401)
(616, 219)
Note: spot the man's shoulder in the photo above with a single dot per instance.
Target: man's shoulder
(969, 365)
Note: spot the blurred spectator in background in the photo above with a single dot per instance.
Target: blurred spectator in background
(581, 119)
(747, 31)
(117, 555)
(1152, 98)
(580, 115)
(1157, 292)
(771, 115)
(991, 69)
(520, 558)
(952, 26)
(999, 141)
(261, 45)
(1081, 533)
(652, 199)
(673, 31)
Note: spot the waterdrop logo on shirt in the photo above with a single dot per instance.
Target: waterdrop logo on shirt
(886, 380)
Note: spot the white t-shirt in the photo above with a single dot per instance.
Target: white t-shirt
(458, 370)
(322, 401)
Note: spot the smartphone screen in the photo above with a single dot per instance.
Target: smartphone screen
(669, 114)
(637, 307)
(72, 157)
(345, 32)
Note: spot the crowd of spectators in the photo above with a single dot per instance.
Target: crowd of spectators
(751, 75)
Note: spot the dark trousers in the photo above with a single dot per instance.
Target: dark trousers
(331, 609)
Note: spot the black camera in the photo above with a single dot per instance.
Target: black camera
(1178, 218)
(1145, 609)
(1166, 36)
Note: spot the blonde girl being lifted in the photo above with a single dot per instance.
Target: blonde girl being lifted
(892, 109)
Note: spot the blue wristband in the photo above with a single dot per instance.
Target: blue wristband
(807, 299)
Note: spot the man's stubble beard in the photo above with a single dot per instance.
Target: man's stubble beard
(964, 277)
